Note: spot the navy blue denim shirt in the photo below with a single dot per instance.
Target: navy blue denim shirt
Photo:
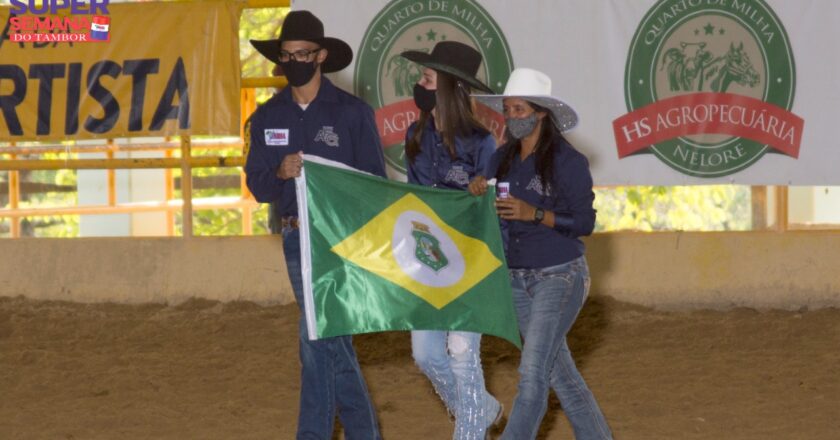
(531, 246)
(336, 125)
(433, 166)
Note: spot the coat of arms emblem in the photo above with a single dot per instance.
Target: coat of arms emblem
(427, 249)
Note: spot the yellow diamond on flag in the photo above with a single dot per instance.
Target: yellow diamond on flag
(408, 244)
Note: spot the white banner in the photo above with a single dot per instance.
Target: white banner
(669, 92)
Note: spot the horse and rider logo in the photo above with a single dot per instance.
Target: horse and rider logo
(709, 86)
(385, 80)
(427, 249)
(702, 71)
(404, 73)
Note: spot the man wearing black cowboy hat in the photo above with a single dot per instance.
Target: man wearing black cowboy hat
(313, 116)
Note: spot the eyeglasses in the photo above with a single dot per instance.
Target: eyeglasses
(298, 55)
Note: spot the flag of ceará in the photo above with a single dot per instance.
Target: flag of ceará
(383, 255)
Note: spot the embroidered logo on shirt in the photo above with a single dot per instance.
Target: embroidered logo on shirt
(536, 185)
(277, 136)
(458, 175)
(327, 136)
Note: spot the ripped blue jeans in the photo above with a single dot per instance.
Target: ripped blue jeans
(547, 302)
(452, 361)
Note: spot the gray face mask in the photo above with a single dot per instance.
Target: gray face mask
(519, 128)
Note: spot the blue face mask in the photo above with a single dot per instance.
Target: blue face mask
(519, 128)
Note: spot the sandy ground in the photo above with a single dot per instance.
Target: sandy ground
(206, 370)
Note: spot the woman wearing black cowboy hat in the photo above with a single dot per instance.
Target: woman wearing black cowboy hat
(313, 116)
(446, 148)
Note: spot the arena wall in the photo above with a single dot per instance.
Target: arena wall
(790, 270)
(139, 270)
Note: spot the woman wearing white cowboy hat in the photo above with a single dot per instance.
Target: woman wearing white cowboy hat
(446, 148)
(548, 209)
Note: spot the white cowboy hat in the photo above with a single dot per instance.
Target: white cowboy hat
(533, 86)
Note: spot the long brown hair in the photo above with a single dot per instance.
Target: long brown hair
(455, 115)
(543, 151)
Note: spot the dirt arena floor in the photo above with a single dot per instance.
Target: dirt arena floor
(207, 370)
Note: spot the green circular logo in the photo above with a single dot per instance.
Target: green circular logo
(385, 80)
(714, 80)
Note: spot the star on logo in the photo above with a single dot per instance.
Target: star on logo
(431, 35)
(710, 30)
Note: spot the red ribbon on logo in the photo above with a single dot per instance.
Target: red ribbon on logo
(709, 113)
(393, 120)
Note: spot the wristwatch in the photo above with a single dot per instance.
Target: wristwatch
(538, 216)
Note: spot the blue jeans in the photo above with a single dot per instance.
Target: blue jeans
(452, 361)
(330, 376)
(547, 302)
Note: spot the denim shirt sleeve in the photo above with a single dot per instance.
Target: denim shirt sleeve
(575, 182)
(261, 165)
(368, 152)
(483, 154)
(410, 171)
(493, 161)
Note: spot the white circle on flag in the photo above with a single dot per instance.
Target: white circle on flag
(404, 246)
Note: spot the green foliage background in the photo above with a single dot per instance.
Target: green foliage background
(669, 208)
(61, 193)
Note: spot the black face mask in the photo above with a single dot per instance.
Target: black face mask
(299, 73)
(425, 99)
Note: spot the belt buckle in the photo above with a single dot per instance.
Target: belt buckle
(289, 222)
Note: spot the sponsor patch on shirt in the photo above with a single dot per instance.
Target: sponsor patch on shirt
(327, 136)
(277, 136)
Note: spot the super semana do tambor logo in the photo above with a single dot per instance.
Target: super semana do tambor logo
(48, 21)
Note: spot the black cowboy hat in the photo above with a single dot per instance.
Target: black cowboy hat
(303, 25)
(454, 58)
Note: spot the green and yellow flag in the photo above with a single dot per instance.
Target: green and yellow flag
(382, 255)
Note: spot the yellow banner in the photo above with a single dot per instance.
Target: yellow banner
(123, 70)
